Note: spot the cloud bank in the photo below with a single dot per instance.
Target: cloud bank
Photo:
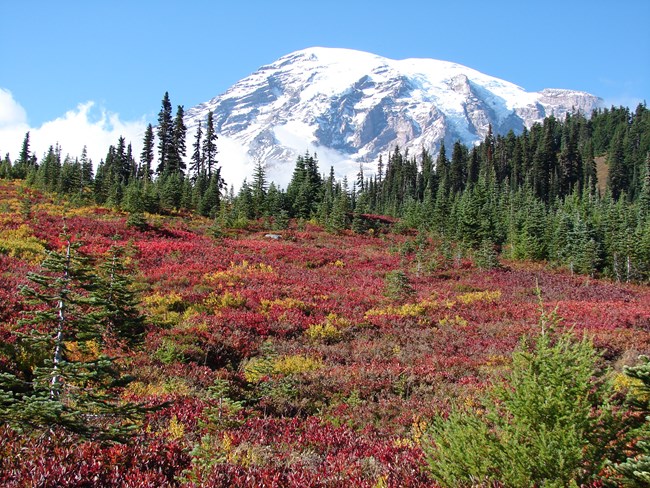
(86, 125)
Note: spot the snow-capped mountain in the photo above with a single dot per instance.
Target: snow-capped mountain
(350, 106)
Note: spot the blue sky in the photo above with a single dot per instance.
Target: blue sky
(94, 69)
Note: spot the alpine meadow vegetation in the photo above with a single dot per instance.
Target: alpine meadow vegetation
(482, 320)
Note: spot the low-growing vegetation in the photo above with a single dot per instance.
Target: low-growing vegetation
(320, 360)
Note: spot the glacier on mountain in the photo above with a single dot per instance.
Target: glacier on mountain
(349, 107)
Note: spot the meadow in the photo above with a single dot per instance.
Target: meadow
(315, 359)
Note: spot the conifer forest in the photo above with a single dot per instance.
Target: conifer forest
(469, 316)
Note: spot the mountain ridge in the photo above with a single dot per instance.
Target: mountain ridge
(351, 106)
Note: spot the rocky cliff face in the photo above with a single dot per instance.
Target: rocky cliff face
(351, 106)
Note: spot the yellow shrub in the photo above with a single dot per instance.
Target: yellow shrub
(51, 208)
(456, 321)
(296, 364)
(624, 383)
(223, 278)
(22, 244)
(176, 429)
(330, 331)
(479, 296)
(265, 268)
(142, 390)
(401, 443)
(165, 309)
(497, 360)
(245, 267)
(248, 454)
(237, 272)
(88, 351)
(327, 332)
(418, 429)
(226, 300)
(324, 332)
(257, 368)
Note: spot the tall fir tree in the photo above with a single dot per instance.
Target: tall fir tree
(66, 380)
(618, 177)
(121, 320)
(197, 166)
(49, 171)
(177, 147)
(87, 174)
(210, 145)
(26, 160)
(259, 189)
(147, 154)
(165, 135)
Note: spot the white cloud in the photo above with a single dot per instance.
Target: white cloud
(86, 125)
(236, 164)
(11, 113)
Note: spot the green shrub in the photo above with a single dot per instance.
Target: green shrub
(636, 470)
(547, 425)
(397, 285)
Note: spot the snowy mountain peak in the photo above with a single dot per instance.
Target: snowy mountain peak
(351, 106)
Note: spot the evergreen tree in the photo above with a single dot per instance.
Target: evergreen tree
(244, 203)
(197, 165)
(121, 318)
(259, 189)
(165, 135)
(70, 182)
(327, 201)
(66, 380)
(123, 162)
(488, 150)
(458, 168)
(636, 470)
(87, 174)
(49, 171)
(588, 172)
(618, 175)
(133, 201)
(209, 145)
(547, 426)
(275, 202)
(26, 161)
(171, 191)
(442, 167)
(177, 147)
(304, 189)
(211, 199)
(147, 156)
(338, 220)
(473, 167)
(644, 198)
(583, 248)
(6, 170)
(570, 163)
(360, 181)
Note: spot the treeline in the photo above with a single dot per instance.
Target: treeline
(145, 185)
(535, 196)
(538, 195)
